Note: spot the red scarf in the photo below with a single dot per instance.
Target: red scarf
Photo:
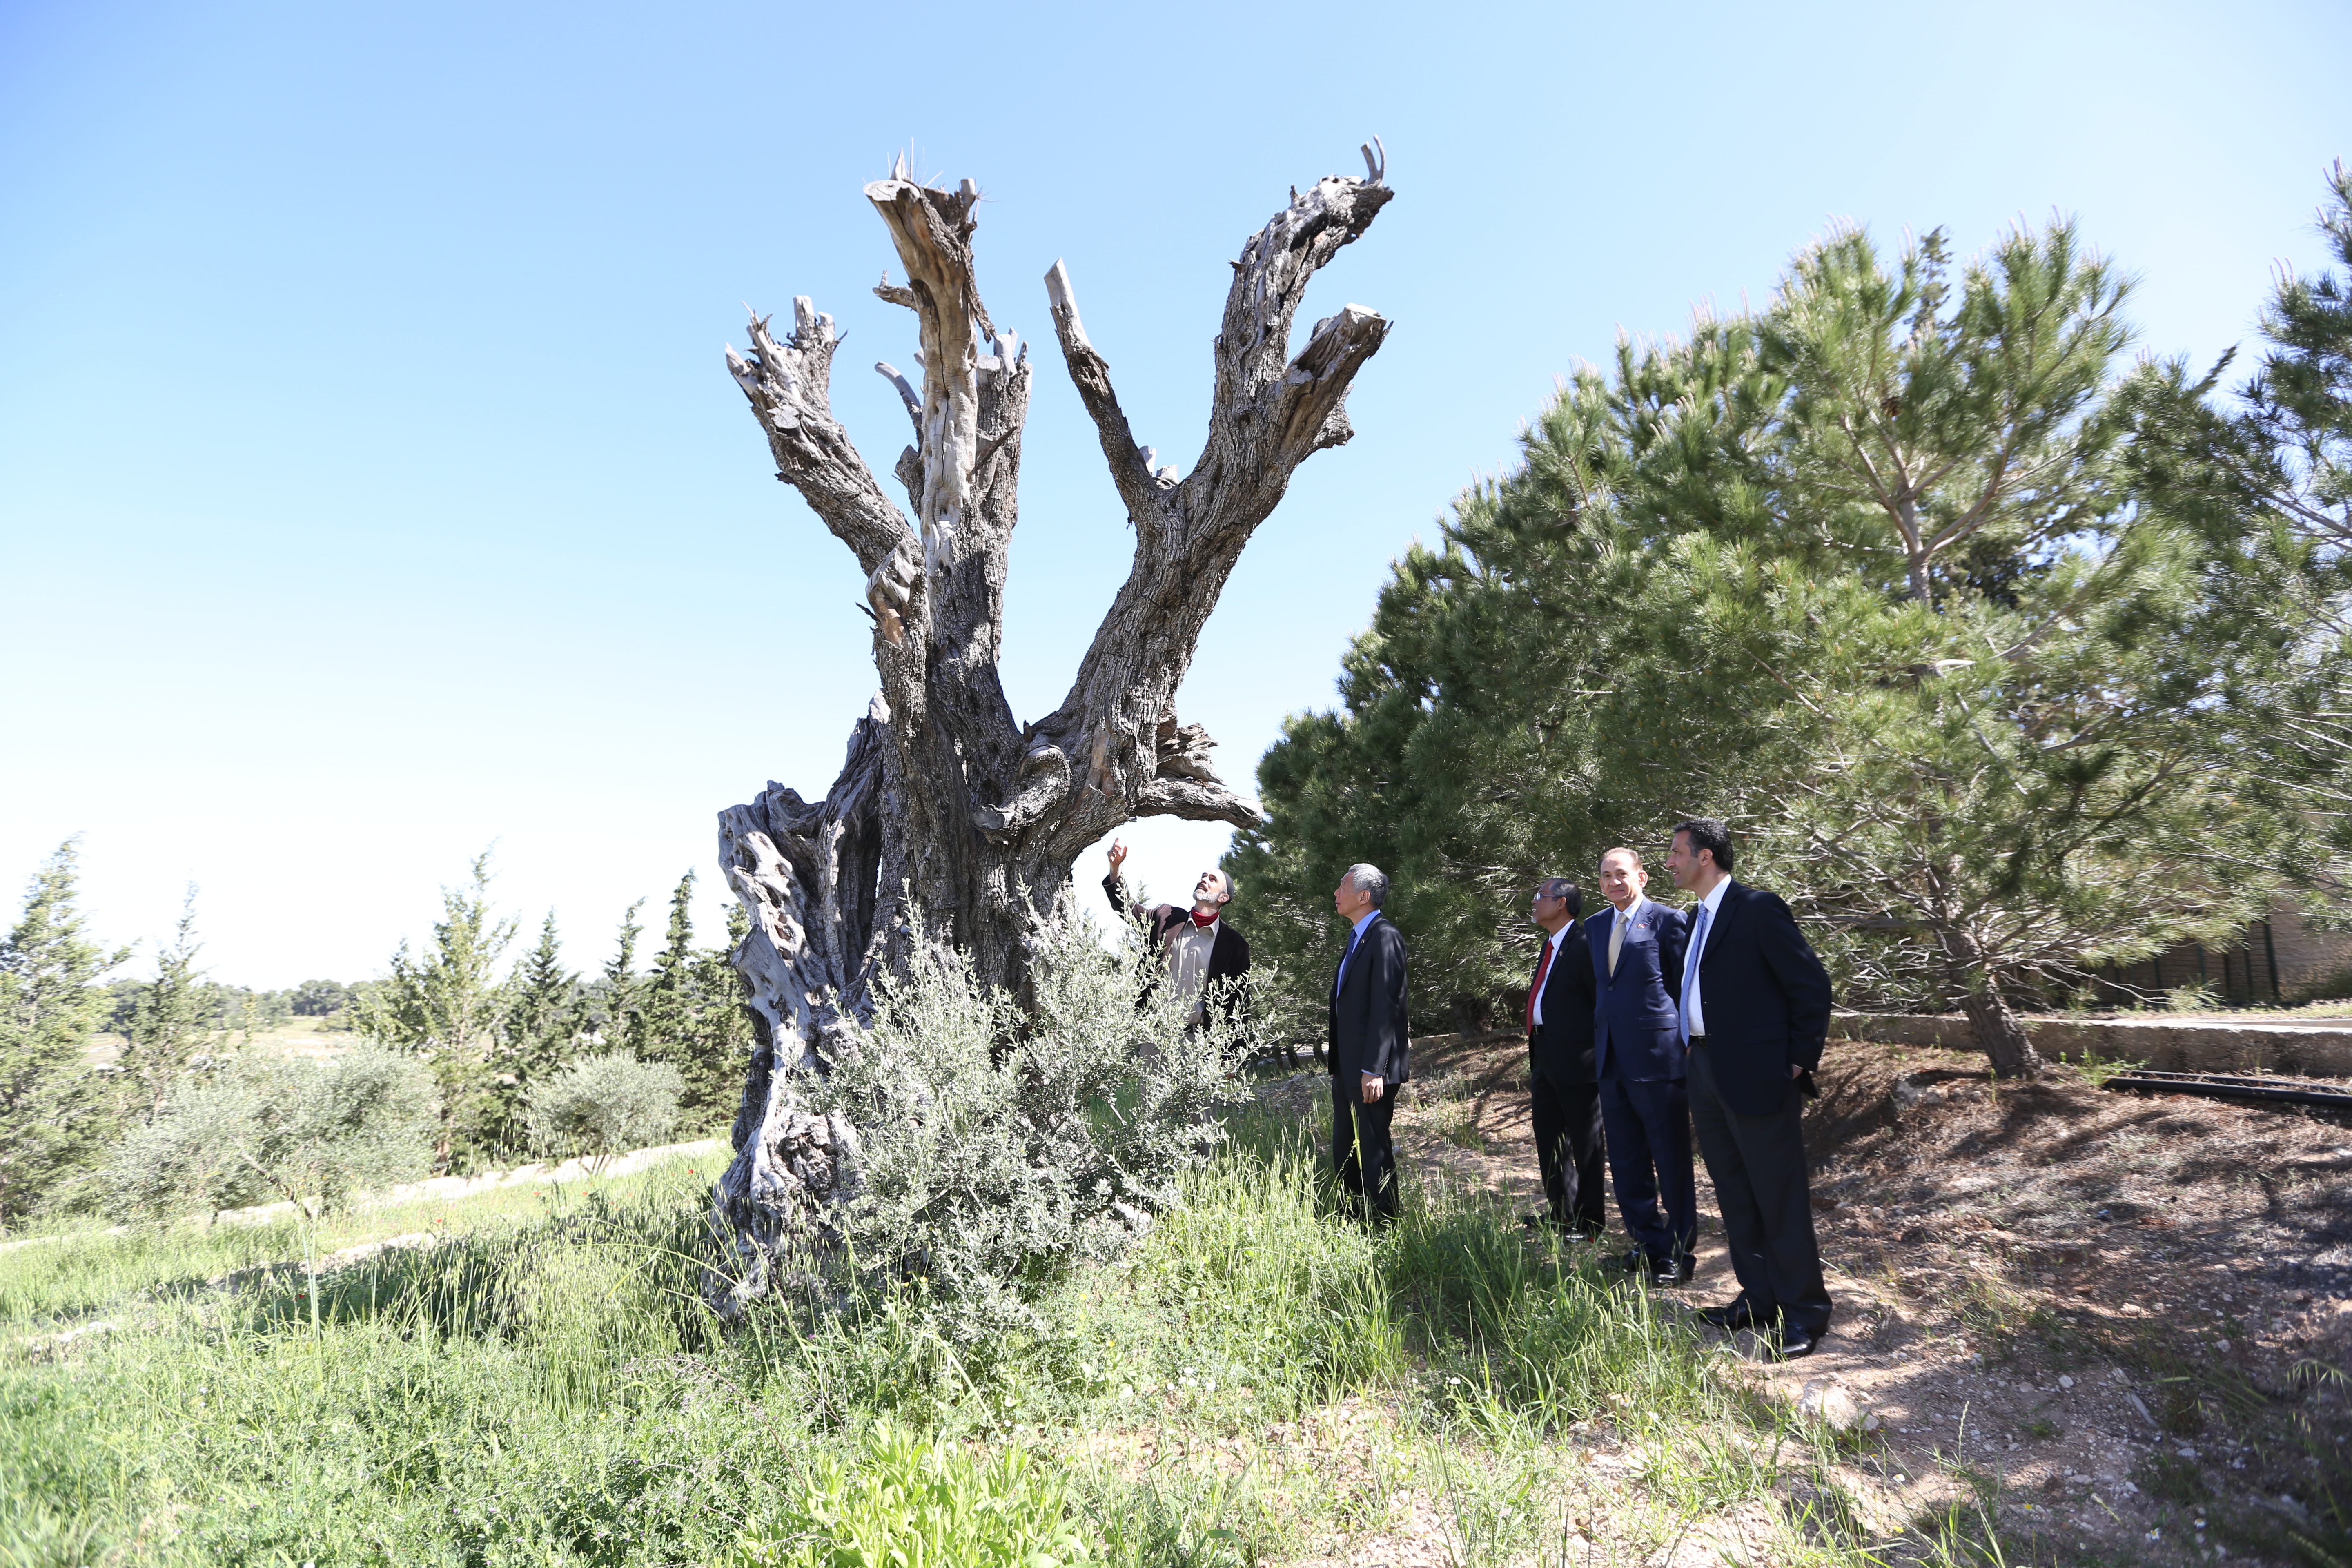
(1201, 921)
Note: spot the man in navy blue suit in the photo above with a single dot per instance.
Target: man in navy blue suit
(1638, 1054)
(1563, 1095)
(1371, 1046)
(1756, 1012)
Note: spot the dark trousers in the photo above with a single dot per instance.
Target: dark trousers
(1758, 1166)
(1568, 1151)
(1649, 1129)
(1361, 1156)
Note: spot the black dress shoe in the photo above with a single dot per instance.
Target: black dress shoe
(1731, 1317)
(1792, 1342)
(1671, 1273)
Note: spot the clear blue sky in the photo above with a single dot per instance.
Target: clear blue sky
(372, 489)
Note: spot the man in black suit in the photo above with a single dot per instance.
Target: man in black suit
(1204, 955)
(1637, 962)
(1371, 1045)
(1756, 1012)
(1565, 1097)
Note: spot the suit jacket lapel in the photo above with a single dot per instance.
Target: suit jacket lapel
(1723, 913)
(1338, 981)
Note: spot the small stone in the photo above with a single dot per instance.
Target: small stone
(1829, 1404)
(1871, 1423)
(2068, 1382)
(2220, 1345)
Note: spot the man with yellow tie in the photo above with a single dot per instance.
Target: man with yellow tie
(1638, 1058)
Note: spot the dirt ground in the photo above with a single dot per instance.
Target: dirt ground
(2121, 1321)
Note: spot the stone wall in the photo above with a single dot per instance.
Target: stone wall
(2310, 1047)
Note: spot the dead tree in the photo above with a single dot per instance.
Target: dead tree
(946, 799)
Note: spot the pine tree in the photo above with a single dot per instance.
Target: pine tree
(451, 1008)
(542, 1021)
(1872, 575)
(663, 1026)
(618, 987)
(726, 1018)
(541, 1029)
(171, 1025)
(692, 1014)
(2299, 403)
(52, 1000)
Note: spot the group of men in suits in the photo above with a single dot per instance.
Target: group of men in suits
(1651, 1022)
(1643, 1027)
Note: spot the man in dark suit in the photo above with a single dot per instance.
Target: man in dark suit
(1371, 1045)
(1756, 1012)
(1205, 956)
(1638, 1054)
(1565, 1097)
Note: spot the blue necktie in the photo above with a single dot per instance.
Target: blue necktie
(1340, 979)
(1690, 970)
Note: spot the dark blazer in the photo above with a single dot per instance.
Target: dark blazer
(1634, 1023)
(1560, 1048)
(1229, 955)
(1764, 998)
(1368, 1032)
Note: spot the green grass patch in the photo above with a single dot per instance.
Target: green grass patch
(546, 1385)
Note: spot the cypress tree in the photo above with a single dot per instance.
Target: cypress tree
(52, 1000)
(449, 1007)
(617, 989)
(171, 1026)
(691, 1014)
(541, 1028)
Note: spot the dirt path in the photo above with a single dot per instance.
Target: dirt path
(2103, 1314)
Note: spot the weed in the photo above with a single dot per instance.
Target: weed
(2096, 1071)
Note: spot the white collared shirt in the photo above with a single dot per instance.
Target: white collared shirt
(1625, 916)
(1189, 951)
(1556, 938)
(1694, 1018)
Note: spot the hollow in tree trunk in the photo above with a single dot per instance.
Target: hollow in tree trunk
(947, 804)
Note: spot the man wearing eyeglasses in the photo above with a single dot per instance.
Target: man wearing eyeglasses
(1205, 956)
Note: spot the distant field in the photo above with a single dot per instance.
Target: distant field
(295, 1037)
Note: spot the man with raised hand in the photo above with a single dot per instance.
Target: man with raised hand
(1563, 1096)
(1371, 1045)
(1755, 1005)
(1638, 1054)
(1202, 951)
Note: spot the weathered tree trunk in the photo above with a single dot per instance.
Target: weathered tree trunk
(945, 798)
(1993, 1025)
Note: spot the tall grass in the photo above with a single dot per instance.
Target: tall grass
(547, 1386)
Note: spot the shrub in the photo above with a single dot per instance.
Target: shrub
(255, 1131)
(604, 1106)
(908, 1499)
(999, 1143)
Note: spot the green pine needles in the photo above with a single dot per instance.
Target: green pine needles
(2006, 658)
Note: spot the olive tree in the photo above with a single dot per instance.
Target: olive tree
(947, 802)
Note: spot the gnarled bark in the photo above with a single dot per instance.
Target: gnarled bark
(945, 798)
